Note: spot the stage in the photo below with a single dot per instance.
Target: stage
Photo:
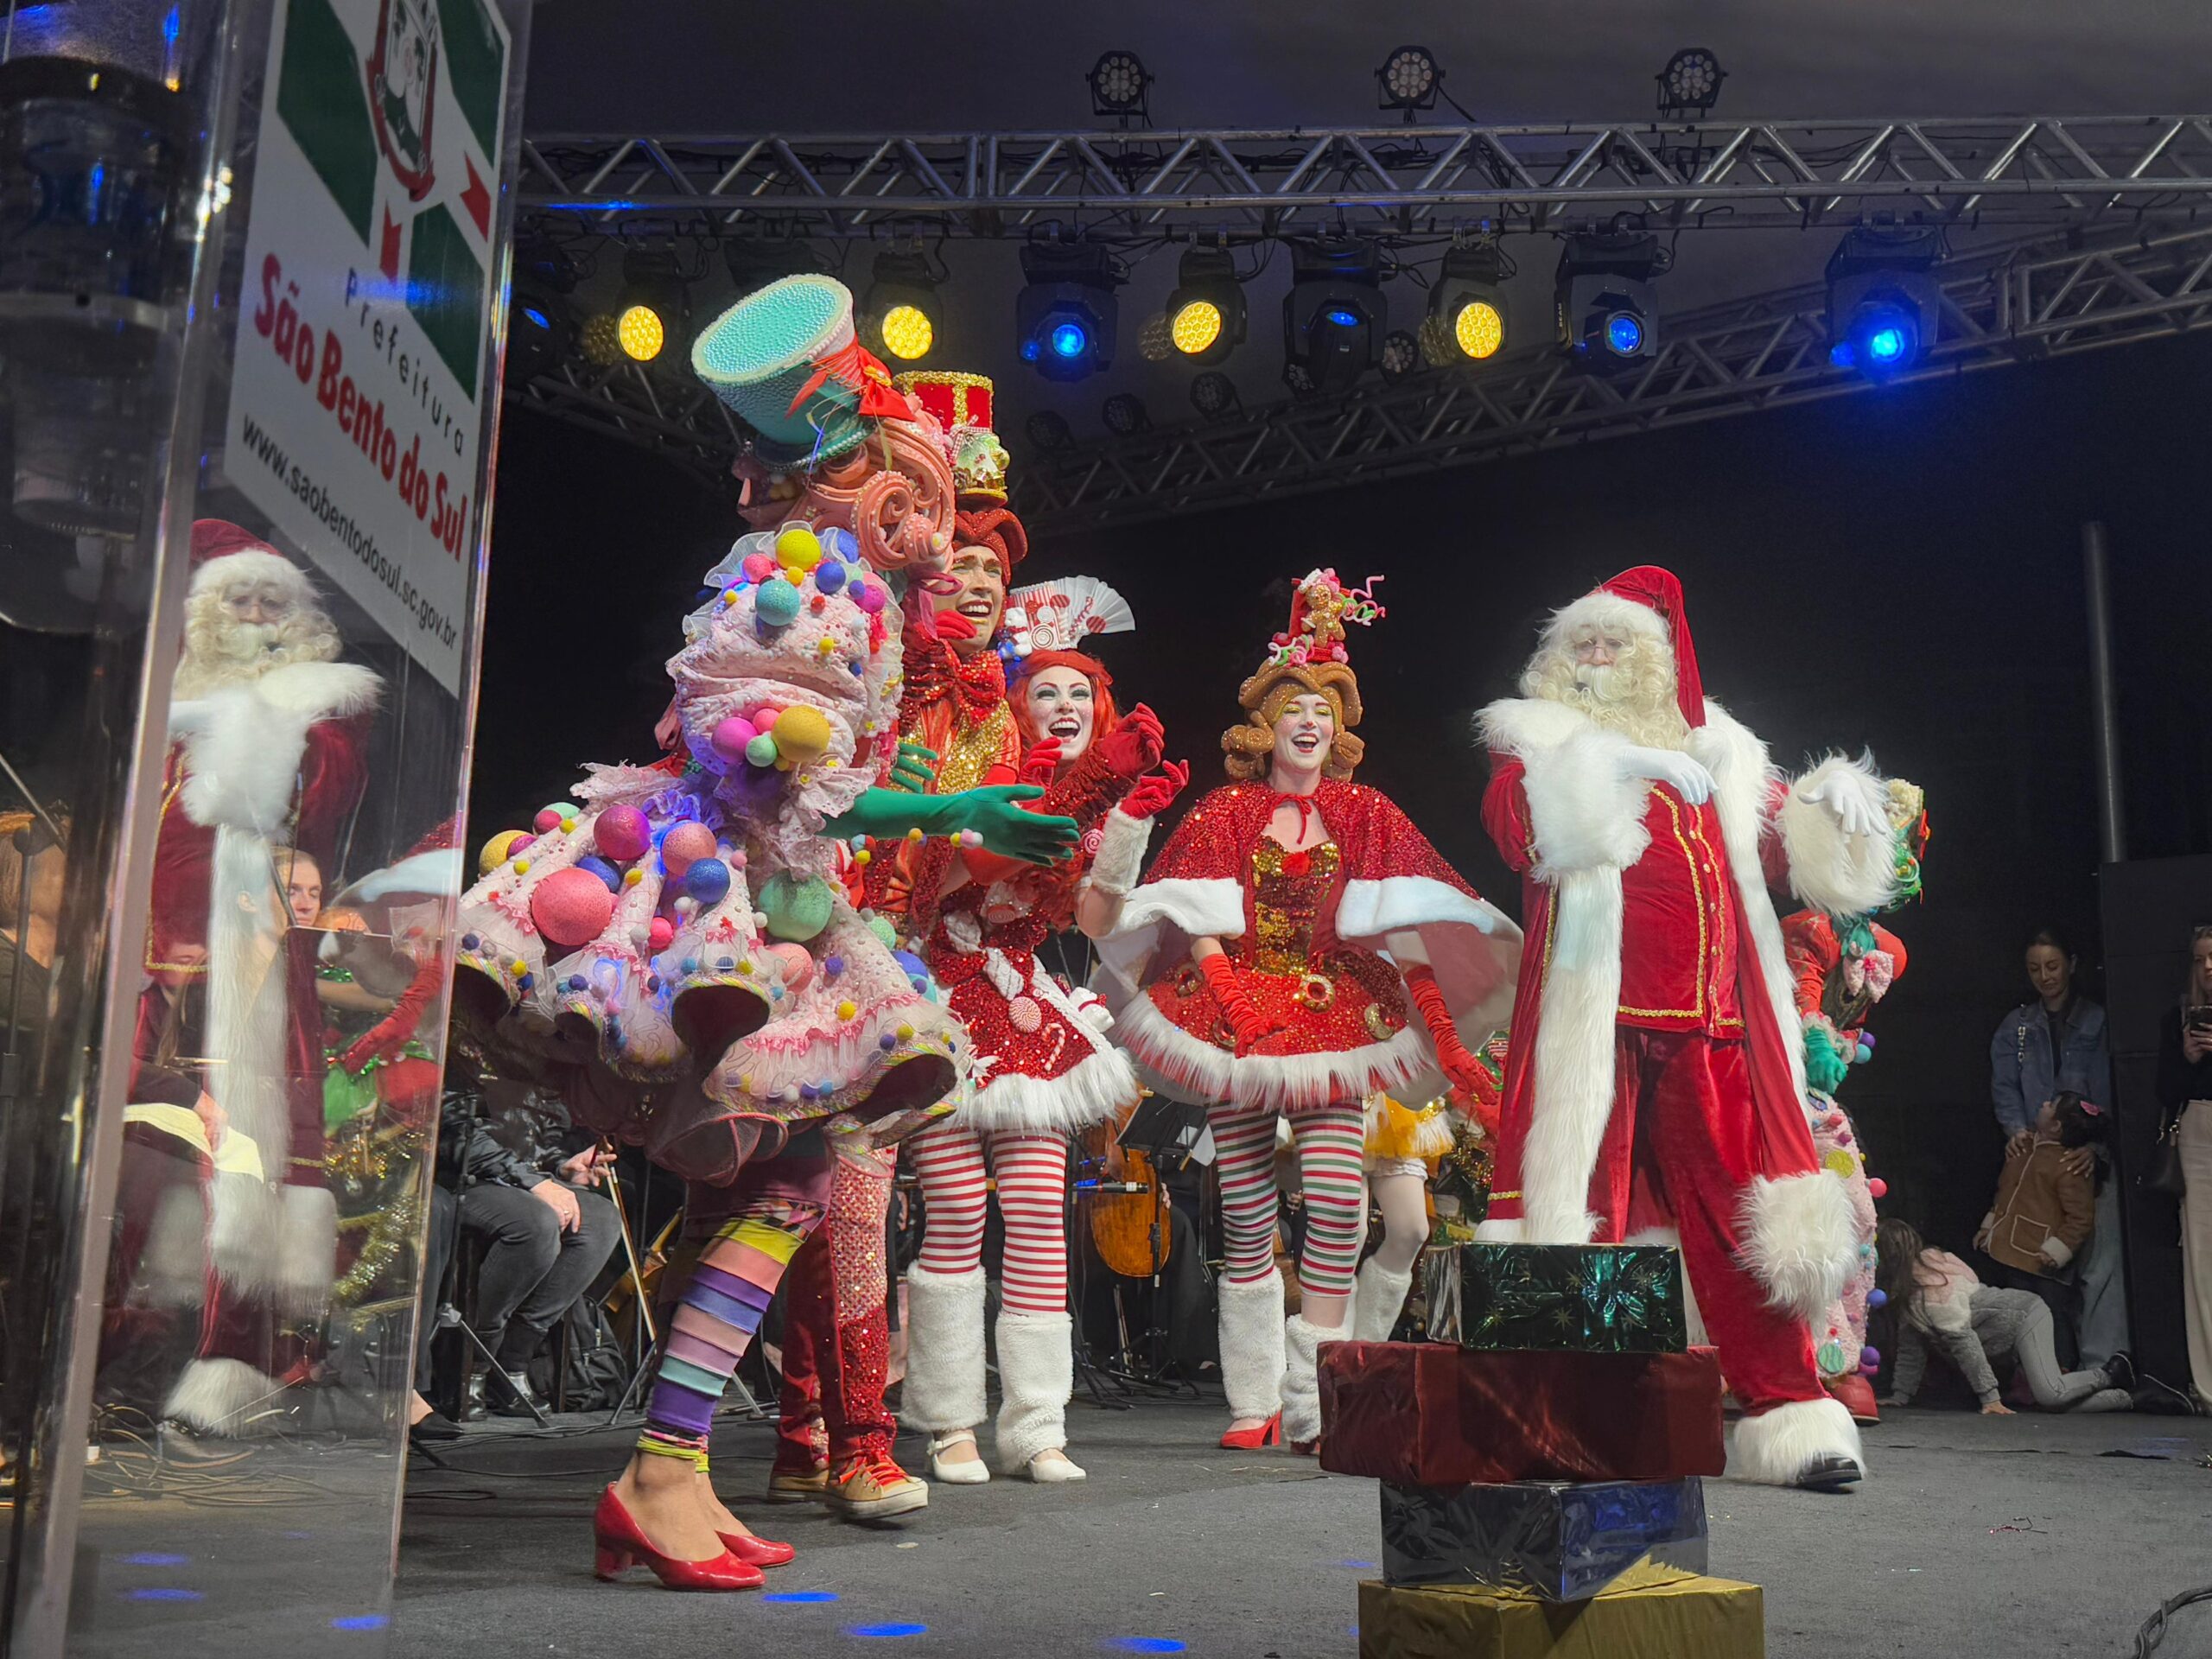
(2005, 1537)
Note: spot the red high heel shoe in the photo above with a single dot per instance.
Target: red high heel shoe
(1251, 1440)
(756, 1552)
(621, 1544)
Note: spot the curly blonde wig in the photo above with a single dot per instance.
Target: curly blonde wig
(1247, 749)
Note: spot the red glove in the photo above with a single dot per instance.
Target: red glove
(1155, 789)
(1461, 1070)
(1135, 744)
(388, 1035)
(1235, 1006)
(1043, 760)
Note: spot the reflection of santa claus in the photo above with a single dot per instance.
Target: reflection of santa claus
(267, 729)
(1655, 1079)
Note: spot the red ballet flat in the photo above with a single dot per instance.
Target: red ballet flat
(621, 1544)
(1251, 1440)
(756, 1552)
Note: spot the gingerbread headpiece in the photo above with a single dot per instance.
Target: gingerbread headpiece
(1309, 655)
(962, 403)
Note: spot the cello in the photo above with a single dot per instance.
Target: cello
(1127, 1201)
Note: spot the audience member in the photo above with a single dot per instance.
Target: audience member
(26, 930)
(525, 1184)
(2057, 1042)
(2046, 1203)
(1937, 1302)
(2185, 1117)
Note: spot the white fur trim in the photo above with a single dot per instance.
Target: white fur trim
(442, 870)
(1301, 1383)
(1473, 947)
(1378, 1299)
(1501, 1230)
(1119, 858)
(173, 1269)
(1840, 874)
(2056, 1250)
(306, 1250)
(244, 743)
(1800, 1239)
(227, 1397)
(1101, 1084)
(248, 1018)
(1583, 813)
(1572, 1094)
(1776, 1446)
(1252, 1345)
(1369, 909)
(1202, 906)
(1193, 1069)
(944, 1350)
(1611, 612)
(242, 1213)
(260, 564)
(1036, 1374)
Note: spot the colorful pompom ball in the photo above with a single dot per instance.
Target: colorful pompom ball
(1877, 1298)
(796, 908)
(1870, 1360)
(684, 845)
(600, 869)
(802, 734)
(798, 549)
(622, 834)
(829, 577)
(707, 881)
(758, 567)
(729, 738)
(1877, 1188)
(571, 906)
(549, 819)
(797, 965)
(497, 850)
(869, 595)
(760, 750)
(883, 930)
(777, 605)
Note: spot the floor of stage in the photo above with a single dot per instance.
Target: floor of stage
(1979, 1536)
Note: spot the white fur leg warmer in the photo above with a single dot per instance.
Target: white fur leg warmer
(1801, 1239)
(1301, 1385)
(1119, 860)
(1036, 1374)
(1380, 1297)
(944, 1350)
(1776, 1446)
(1252, 1345)
(226, 1397)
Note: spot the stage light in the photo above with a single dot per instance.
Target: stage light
(1118, 83)
(899, 311)
(1401, 354)
(1408, 80)
(601, 339)
(1125, 415)
(1466, 308)
(1207, 317)
(1885, 305)
(1300, 379)
(1213, 394)
(1604, 309)
(1049, 430)
(540, 332)
(1065, 318)
(654, 311)
(1333, 318)
(1690, 84)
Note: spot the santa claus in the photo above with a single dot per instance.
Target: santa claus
(1655, 1084)
(267, 729)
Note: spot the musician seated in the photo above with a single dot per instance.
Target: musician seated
(514, 1175)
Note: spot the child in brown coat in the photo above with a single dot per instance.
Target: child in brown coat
(2046, 1206)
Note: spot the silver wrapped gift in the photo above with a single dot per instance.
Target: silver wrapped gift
(1560, 1539)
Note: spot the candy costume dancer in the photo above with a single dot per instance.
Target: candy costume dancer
(1655, 1074)
(1044, 1069)
(1250, 975)
(675, 948)
(1839, 968)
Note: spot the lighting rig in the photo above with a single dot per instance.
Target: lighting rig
(1886, 304)
(1066, 317)
(1604, 312)
(1334, 316)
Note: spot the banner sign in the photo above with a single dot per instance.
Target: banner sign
(364, 362)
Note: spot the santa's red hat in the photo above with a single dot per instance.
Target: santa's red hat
(1645, 602)
(223, 552)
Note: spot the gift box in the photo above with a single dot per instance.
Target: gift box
(1559, 1541)
(1652, 1612)
(1423, 1413)
(1583, 1298)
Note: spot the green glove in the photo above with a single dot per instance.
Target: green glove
(994, 813)
(1825, 1068)
(914, 771)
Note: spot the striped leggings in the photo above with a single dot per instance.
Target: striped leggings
(1033, 1180)
(1331, 1143)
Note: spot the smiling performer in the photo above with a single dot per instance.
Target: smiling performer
(1655, 1077)
(1251, 971)
(1045, 1070)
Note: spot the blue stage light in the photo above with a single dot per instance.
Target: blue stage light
(801, 1595)
(1070, 339)
(1342, 318)
(155, 1558)
(1624, 334)
(1147, 1644)
(164, 1592)
(536, 315)
(1031, 351)
(360, 1622)
(894, 1628)
(1886, 345)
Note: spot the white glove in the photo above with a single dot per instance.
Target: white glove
(1847, 801)
(1686, 775)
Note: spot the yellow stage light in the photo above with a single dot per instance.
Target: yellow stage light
(907, 332)
(603, 340)
(1479, 329)
(1195, 326)
(641, 332)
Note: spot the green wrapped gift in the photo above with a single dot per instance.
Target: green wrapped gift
(1585, 1299)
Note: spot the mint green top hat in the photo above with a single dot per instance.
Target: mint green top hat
(785, 361)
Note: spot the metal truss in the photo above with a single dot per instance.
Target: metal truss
(2028, 301)
(1387, 180)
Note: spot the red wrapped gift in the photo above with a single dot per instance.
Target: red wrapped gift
(1430, 1413)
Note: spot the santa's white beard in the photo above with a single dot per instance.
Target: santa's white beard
(219, 652)
(1634, 694)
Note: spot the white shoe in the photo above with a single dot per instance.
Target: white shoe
(1051, 1467)
(967, 1471)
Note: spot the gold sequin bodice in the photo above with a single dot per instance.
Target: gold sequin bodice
(1288, 890)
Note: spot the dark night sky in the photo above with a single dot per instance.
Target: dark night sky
(1900, 569)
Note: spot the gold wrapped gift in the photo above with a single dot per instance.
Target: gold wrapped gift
(1648, 1612)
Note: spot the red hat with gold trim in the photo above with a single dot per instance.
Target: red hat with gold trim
(962, 403)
